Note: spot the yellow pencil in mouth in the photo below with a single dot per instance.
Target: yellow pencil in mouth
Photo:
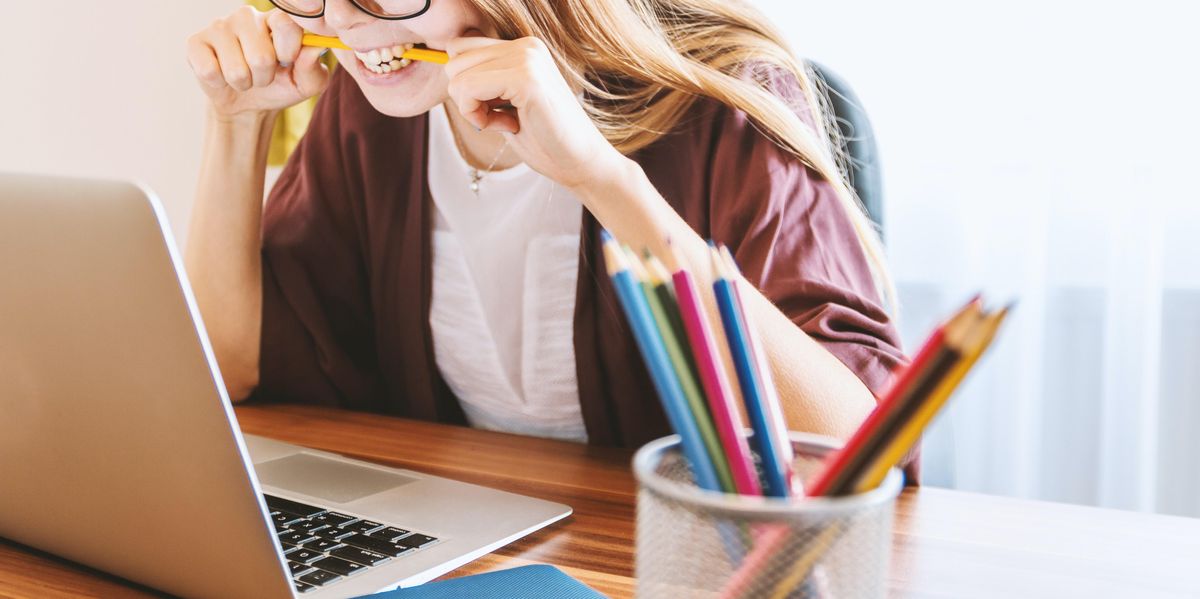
(422, 54)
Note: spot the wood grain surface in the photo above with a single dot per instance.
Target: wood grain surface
(946, 543)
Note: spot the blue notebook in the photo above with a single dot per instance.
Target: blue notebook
(525, 582)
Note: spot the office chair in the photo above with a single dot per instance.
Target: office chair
(858, 139)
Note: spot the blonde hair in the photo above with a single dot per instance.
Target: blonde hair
(643, 63)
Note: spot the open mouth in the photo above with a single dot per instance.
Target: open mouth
(386, 60)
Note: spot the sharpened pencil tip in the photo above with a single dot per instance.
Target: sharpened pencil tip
(718, 269)
(613, 260)
(727, 258)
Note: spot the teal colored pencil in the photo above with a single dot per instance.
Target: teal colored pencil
(661, 303)
(767, 439)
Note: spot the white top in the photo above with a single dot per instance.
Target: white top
(505, 265)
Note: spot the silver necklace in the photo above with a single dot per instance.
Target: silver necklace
(473, 174)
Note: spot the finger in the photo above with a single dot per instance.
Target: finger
(459, 45)
(488, 57)
(255, 38)
(310, 74)
(472, 91)
(234, 69)
(204, 63)
(503, 120)
(286, 36)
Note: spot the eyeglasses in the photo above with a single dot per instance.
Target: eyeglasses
(391, 10)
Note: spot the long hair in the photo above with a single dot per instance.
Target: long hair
(665, 54)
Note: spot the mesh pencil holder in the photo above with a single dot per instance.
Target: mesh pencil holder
(697, 543)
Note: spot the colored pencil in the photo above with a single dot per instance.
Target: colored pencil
(713, 376)
(967, 337)
(835, 471)
(774, 407)
(422, 54)
(766, 439)
(666, 384)
(910, 433)
(666, 316)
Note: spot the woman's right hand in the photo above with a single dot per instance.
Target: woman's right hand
(252, 62)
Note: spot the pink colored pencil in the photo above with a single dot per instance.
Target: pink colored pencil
(716, 384)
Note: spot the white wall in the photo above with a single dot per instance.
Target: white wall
(103, 89)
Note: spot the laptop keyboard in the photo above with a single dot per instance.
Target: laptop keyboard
(322, 546)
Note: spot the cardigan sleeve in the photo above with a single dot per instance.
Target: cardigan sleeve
(794, 240)
(316, 343)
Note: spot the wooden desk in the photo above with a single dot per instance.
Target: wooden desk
(946, 544)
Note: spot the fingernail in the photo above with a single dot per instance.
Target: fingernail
(287, 64)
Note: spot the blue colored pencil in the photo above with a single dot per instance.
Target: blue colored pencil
(662, 374)
(766, 439)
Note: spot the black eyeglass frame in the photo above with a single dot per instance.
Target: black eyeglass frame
(359, 7)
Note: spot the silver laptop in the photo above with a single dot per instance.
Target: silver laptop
(119, 449)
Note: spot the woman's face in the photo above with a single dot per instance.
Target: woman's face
(409, 90)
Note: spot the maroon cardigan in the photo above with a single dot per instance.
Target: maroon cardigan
(347, 266)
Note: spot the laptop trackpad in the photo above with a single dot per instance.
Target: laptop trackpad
(327, 479)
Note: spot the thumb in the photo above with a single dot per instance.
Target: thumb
(309, 73)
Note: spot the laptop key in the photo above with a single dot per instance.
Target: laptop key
(334, 519)
(298, 568)
(338, 565)
(304, 555)
(319, 578)
(415, 540)
(292, 507)
(284, 518)
(333, 534)
(304, 588)
(321, 545)
(376, 545)
(295, 538)
(307, 525)
(391, 533)
(359, 555)
(363, 526)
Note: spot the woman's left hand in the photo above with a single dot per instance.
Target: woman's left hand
(547, 125)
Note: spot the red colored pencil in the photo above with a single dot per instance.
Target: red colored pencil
(834, 469)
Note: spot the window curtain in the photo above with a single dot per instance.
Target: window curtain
(1043, 152)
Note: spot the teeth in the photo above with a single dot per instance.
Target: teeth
(385, 60)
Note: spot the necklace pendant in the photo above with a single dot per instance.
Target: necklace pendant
(475, 178)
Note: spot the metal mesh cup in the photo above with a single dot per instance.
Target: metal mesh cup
(697, 543)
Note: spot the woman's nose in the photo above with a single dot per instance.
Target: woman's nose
(343, 14)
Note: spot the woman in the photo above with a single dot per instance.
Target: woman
(432, 248)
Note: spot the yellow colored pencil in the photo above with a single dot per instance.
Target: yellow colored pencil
(911, 431)
(422, 54)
